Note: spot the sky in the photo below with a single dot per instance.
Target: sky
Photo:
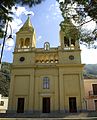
(45, 18)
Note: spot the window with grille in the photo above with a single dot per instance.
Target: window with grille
(94, 89)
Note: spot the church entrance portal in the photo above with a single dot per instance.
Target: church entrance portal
(20, 105)
(46, 105)
(72, 104)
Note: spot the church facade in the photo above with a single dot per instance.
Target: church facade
(46, 80)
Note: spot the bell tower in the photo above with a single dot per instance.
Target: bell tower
(69, 35)
(25, 37)
(25, 43)
(69, 43)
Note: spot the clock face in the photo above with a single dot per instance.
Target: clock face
(71, 57)
(22, 59)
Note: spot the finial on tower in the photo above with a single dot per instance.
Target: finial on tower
(28, 14)
(27, 25)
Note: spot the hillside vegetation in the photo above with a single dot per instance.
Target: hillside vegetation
(90, 71)
(5, 78)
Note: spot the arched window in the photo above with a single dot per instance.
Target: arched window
(46, 45)
(27, 42)
(73, 42)
(21, 42)
(66, 42)
(45, 83)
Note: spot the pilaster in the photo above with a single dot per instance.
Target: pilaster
(31, 91)
(61, 89)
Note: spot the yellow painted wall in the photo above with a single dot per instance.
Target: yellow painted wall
(65, 75)
(52, 92)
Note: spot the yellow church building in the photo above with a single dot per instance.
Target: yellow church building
(48, 79)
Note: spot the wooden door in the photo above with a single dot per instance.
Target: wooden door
(20, 105)
(46, 105)
(72, 104)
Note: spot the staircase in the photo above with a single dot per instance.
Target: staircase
(51, 116)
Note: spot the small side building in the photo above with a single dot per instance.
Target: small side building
(90, 86)
(3, 104)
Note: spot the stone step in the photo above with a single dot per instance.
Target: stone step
(49, 116)
(83, 118)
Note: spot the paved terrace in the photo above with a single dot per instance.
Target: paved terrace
(53, 116)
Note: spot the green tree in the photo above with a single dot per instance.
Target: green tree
(5, 78)
(81, 12)
(5, 10)
(89, 7)
(84, 9)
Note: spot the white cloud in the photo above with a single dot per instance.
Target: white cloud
(47, 16)
(17, 23)
(54, 10)
(89, 26)
(51, 7)
(7, 48)
(61, 1)
(39, 38)
(21, 10)
(9, 44)
(18, 11)
(88, 55)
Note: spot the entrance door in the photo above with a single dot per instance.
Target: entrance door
(20, 105)
(46, 105)
(72, 104)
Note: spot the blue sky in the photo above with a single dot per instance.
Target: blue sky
(45, 18)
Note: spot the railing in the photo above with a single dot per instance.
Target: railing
(91, 93)
(22, 49)
(47, 61)
(36, 49)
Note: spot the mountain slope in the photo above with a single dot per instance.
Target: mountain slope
(90, 71)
